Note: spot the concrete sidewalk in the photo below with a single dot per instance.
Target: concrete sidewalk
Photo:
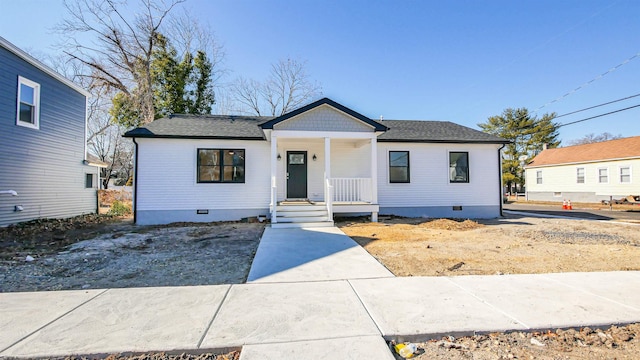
(311, 254)
(313, 320)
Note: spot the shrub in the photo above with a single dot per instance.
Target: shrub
(118, 208)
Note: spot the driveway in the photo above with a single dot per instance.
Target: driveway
(556, 210)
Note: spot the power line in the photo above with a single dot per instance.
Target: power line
(597, 116)
(589, 82)
(595, 106)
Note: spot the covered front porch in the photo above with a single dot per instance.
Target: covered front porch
(315, 175)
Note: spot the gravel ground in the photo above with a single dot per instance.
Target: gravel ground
(137, 256)
(587, 343)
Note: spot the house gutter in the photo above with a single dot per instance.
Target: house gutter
(135, 183)
(499, 177)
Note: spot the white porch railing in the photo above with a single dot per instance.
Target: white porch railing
(351, 189)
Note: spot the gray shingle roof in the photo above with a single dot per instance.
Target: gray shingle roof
(203, 127)
(434, 131)
(248, 128)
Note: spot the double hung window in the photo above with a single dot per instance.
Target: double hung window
(28, 107)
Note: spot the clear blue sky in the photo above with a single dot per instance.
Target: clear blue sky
(461, 61)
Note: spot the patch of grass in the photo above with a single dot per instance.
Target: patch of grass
(119, 208)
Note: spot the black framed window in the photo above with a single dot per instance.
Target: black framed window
(399, 167)
(88, 181)
(459, 167)
(221, 165)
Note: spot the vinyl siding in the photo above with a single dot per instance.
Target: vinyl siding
(324, 118)
(349, 159)
(45, 165)
(167, 176)
(563, 179)
(429, 176)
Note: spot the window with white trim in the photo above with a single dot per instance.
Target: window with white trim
(603, 175)
(625, 174)
(580, 175)
(539, 177)
(28, 108)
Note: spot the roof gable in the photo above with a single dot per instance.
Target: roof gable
(606, 150)
(324, 118)
(324, 101)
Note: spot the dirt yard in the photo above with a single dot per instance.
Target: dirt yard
(99, 252)
(513, 245)
(613, 343)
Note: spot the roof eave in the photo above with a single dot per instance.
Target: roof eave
(458, 141)
(49, 71)
(202, 137)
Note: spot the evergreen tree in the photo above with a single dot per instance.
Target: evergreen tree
(527, 134)
(180, 85)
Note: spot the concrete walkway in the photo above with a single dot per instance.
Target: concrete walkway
(345, 319)
(311, 254)
(311, 293)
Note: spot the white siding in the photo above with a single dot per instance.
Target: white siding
(315, 169)
(167, 176)
(349, 159)
(429, 176)
(562, 178)
(324, 118)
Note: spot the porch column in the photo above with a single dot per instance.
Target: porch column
(327, 157)
(374, 175)
(272, 180)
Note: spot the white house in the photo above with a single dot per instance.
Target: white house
(586, 173)
(307, 165)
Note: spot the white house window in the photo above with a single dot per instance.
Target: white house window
(459, 167)
(28, 110)
(220, 165)
(625, 175)
(603, 176)
(399, 167)
(580, 175)
(539, 177)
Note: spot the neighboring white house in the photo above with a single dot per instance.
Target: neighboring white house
(309, 164)
(586, 173)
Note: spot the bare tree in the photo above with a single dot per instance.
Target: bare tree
(119, 56)
(593, 138)
(287, 87)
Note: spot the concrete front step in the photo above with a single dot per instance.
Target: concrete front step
(303, 219)
(302, 213)
(285, 225)
(301, 207)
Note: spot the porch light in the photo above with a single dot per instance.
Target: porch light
(314, 157)
(279, 157)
